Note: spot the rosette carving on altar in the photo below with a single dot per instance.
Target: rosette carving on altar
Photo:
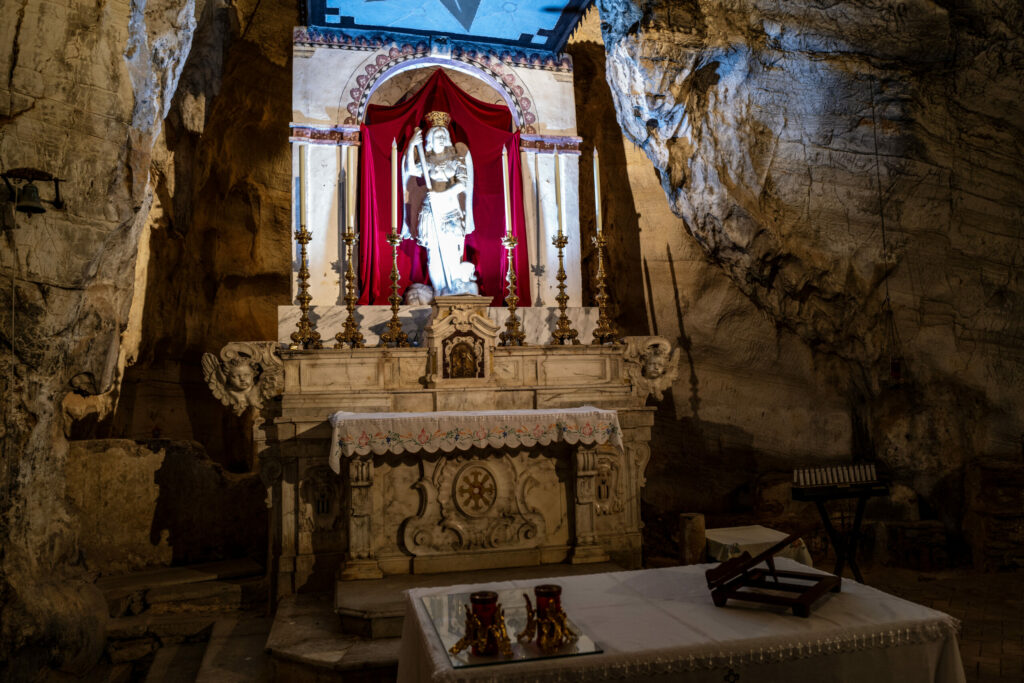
(651, 365)
(246, 374)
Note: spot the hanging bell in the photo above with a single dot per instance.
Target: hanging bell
(28, 200)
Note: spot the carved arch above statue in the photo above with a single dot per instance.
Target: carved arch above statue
(489, 69)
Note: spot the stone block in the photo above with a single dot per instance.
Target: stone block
(692, 542)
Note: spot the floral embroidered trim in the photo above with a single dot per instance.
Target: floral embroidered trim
(362, 434)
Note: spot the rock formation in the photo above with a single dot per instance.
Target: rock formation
(838, 161)
(92, 95)
(87, 87)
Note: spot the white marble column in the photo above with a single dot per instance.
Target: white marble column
(539, 176)
(325, 220)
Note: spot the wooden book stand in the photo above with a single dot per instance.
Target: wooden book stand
(729, 579)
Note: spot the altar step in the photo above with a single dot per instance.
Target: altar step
(357, 638)
(214, 586)
(162, 620)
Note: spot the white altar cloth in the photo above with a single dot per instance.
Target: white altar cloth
(379, 433)
(660, 625)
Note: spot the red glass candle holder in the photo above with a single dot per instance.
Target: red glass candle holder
(485, 608)
(549, 599)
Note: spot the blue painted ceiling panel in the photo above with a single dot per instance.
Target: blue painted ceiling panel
(539, 24)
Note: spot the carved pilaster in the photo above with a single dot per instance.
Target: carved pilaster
(361, 563)
(586, 549)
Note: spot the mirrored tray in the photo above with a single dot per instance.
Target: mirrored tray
(448, 613)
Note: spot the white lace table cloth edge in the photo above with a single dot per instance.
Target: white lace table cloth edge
(451, 430)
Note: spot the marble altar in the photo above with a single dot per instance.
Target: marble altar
(548, 500)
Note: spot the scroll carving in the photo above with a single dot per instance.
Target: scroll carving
(246, 374)
(474, 504)
(651, 365)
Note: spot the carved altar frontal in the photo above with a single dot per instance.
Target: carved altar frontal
(555, 476)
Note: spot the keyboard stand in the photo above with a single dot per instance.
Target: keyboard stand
(845, 544)
(820, 485)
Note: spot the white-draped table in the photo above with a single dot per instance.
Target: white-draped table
(660, 625)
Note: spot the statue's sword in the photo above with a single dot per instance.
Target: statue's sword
(430, 188)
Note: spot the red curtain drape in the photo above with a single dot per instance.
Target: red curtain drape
(485, 129)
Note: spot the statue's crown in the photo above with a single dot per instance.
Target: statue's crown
(438, 118)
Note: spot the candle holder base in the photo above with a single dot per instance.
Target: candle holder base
(305, 337)
(394, 336)
(605, 332)
(513, 334)
(350, 333)
(564, 332)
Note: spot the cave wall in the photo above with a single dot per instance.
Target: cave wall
(86, 87)
(845, 247)
(174, 240)
(220, 253)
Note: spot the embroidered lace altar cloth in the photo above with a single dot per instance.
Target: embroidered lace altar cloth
(396, 433)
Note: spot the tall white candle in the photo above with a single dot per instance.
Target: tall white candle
(394, 185)
(504, 184)
(597, 191)
(558, 190)
(350, 182)
(302, 185)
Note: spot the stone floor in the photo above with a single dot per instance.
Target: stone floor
(990, 608)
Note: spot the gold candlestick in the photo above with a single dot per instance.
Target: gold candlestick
(394, 335)
(605, 332)
(350, 333)
(513, 334)
(564, 332)
(305, 337)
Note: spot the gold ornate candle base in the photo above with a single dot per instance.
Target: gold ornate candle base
(513, 334)
(549, 625)
(564, 332)
(350, 333)
(486, 633)
(605, 332)
(394, 335)
(305, 337)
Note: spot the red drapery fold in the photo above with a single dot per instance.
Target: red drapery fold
(485, 129)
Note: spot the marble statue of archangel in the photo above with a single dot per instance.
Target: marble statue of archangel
(446, 216)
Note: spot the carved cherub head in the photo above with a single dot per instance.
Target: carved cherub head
(245, 375)
(655, 360)
(240, 374)
(419, 294)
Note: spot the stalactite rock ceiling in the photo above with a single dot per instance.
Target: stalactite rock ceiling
(826, 154)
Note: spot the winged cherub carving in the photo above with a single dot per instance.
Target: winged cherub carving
(651, 364)
(245, 375)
